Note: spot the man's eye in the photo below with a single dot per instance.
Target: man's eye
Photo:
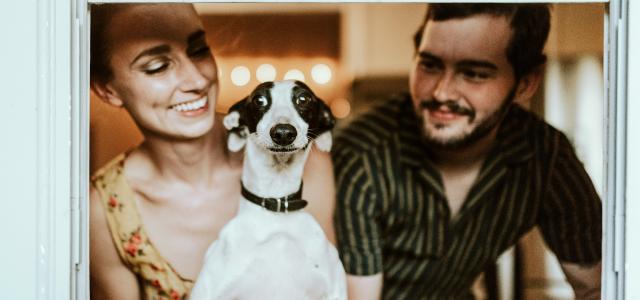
(429, 66)
(474, 75)
(260, 101)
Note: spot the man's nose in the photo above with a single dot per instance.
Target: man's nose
(446, 87)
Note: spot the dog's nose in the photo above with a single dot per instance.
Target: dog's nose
(283, 134)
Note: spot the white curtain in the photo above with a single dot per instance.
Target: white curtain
(574, 103)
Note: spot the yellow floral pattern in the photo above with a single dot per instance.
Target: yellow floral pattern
(160, 281)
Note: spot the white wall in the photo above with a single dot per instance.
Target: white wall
(35, 257)
(384, 46)
(18, 130)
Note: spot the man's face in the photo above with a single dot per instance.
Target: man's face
(461, 80)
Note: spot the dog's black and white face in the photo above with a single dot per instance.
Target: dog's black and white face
(281, 117)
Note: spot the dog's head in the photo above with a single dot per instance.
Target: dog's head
(281, 116)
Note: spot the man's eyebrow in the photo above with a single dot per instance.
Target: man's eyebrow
(195, 37)
(472, 63)
(161, 49)
(429, 56)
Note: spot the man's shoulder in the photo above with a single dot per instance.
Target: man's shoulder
(371, 128)
(543, 135)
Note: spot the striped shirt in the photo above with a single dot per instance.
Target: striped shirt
(392, 215)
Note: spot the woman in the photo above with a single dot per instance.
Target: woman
(156, 208)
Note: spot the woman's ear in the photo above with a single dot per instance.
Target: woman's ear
(106, 93)
(528, 85)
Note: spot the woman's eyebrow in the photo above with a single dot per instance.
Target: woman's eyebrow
(196, 36)
(161, 49)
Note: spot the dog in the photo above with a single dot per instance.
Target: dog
(273, 249)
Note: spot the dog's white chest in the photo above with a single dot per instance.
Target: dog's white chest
(261, 255)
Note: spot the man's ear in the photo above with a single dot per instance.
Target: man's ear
(236, 126)
(528, 85)
(106, 93)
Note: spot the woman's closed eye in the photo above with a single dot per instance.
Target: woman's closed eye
(155, 66)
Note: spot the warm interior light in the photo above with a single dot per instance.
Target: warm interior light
(321, 73)
(266, 72)
(340, 108)
(294, 74)
(240, 75)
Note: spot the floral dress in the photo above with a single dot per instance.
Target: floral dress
(158, 279)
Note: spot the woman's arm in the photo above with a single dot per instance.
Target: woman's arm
(319, 190)
(110, 278)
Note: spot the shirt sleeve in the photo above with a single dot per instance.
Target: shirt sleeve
(355, 219)
(571, 216)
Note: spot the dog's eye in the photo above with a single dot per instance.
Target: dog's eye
(260, 101)
(303, 99)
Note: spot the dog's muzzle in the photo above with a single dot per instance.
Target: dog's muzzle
(283, 134)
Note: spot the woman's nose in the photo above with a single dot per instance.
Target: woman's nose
(192, 77)
(446, 88)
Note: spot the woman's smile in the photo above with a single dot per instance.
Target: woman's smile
(192, 108)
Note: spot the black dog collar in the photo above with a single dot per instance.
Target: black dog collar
(284, 204)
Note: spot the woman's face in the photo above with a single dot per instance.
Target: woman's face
(163, 71)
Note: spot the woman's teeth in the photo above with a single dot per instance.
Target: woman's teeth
(189, 106)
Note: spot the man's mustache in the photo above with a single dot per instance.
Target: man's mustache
(452, 106)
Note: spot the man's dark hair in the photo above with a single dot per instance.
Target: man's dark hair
(529, 25)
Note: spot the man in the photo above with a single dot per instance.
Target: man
(433, 187)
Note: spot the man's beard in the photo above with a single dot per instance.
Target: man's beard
(480, 131)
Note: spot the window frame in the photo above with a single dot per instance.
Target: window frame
(617, 272)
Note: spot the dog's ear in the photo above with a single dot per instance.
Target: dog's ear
(236, 126)
(324, 141)
(326, 121)
(325, 124)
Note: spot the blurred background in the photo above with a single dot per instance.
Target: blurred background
(355, 55)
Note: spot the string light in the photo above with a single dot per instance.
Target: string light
(240, 75)
(321, 73)
(340, 108)
(294, 74)
(266, 72)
